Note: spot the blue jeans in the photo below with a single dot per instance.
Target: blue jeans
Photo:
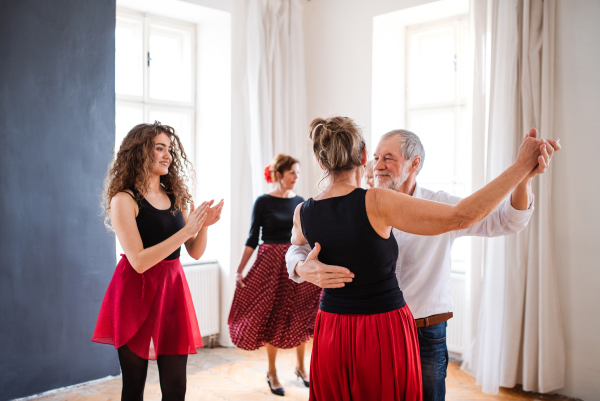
(434, 361)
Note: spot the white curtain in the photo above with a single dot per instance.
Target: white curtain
(276, 88)
(517, 334)
(269, 114)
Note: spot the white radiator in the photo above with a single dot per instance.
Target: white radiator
(203, 280)
(454, 333)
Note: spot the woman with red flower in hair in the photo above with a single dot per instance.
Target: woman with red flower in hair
(265, 308)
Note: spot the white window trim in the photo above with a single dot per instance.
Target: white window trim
(148, 19)
(461, 54)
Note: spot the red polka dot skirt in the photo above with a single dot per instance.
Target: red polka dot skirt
(271, 308)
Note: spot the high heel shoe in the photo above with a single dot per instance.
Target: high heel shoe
(306, 382)
(276, 391)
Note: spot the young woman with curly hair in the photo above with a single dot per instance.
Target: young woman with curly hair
(147, 312)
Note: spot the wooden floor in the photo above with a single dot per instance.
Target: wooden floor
(233, 374)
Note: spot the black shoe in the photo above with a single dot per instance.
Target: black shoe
(276, 391)
(306, 383)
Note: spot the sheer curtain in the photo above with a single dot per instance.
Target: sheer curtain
(516, 328)
(276, 88)
(269, 109)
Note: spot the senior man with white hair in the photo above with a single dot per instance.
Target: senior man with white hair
(423, 266)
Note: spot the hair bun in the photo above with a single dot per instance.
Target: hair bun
(337, 144)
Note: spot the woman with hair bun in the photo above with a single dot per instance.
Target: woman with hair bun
(365, 343)
(268, 308)
(147, 312)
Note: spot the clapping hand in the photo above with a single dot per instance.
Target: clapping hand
(196, 218)
(214, 213)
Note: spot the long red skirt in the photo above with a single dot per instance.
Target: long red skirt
(271, 308)
(366, 357)
(152, 313)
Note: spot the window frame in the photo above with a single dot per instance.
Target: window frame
(145, 100)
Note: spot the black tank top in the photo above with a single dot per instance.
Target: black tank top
(341, 226)
(156, 225)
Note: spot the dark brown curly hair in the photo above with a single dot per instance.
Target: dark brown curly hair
(132, 164)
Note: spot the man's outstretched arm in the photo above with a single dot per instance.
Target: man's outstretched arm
(303, 265)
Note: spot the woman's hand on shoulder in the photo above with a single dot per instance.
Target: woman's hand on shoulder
(297, 235)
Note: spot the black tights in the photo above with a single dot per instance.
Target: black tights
(171, 371)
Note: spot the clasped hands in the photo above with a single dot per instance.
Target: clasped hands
(547, 147)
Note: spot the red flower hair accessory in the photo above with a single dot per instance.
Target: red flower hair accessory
(268, 174)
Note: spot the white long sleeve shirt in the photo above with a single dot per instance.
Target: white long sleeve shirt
(424, 262)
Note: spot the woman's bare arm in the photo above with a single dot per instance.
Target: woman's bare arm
(297, 235)
(123, 211)
(387, 208)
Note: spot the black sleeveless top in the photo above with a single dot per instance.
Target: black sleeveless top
(341, 226)
(156, 225)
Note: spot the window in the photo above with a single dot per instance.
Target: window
(436, 110)
(154, 78)
(154, 74)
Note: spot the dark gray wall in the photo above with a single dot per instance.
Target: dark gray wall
(56, 139)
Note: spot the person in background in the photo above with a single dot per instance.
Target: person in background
(268, 309)
(423, 265)
(147, 312)
(369, 178)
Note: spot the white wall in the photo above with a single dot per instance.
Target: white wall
(576, 190)
(338, 52)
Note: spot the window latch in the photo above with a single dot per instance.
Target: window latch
(149, 59)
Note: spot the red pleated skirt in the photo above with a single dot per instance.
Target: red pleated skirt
(366, 358)
(271, 308)
(152, 313)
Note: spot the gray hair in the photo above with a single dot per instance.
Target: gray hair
(410, 145)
